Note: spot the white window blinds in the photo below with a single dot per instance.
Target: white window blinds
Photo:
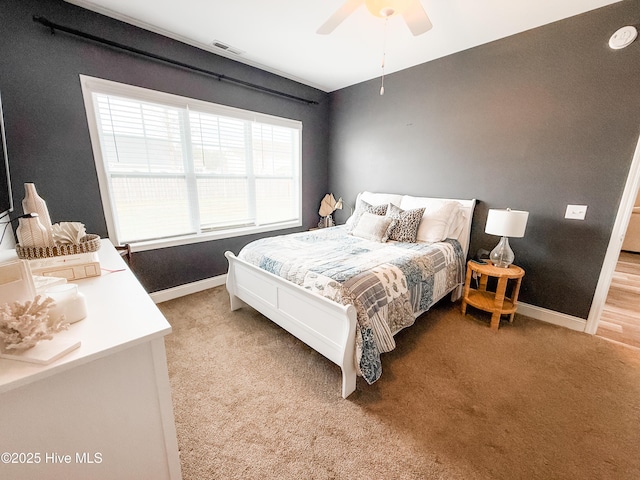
(174, 167)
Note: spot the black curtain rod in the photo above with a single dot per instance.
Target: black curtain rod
(219, 76)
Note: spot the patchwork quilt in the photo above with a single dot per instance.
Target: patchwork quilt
(388, 283)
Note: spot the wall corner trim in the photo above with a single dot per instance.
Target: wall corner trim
(551, 316)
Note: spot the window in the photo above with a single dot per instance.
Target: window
(174, 170)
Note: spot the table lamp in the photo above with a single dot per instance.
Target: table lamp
(505, 223)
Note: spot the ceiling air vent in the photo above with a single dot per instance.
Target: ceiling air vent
(225, 47)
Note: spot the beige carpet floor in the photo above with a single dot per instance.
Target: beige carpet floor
(456, 401)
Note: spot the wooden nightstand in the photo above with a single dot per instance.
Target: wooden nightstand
(495, 302)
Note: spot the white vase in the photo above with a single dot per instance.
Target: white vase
(31, 233)
(33, 203)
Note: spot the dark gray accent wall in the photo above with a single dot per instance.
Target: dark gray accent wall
(48, 137)
(535, 121)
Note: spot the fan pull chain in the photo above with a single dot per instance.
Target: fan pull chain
(382, 79)
(384, 54)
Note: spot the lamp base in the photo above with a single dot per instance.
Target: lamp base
(326, 222)
(502, 256)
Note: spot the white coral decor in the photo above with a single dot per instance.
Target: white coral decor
(68, 232)
(23, 325)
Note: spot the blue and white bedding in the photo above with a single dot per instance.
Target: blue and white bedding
(388, 283)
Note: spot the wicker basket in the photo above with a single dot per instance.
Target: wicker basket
(88, 243)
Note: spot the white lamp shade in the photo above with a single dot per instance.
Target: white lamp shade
(506, 223)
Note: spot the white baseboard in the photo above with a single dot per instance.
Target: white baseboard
(551, 316)
(539, 313)
(188, 289)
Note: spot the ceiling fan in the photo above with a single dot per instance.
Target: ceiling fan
(414, 15)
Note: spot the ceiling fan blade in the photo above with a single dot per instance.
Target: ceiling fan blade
(339, 16)
(417, 19)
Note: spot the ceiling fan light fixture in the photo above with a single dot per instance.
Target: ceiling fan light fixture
(387, 8)
(414, 15)
(387, 12)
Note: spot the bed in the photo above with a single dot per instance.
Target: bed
(346, 291)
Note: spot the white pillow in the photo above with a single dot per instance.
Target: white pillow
(440, 217)
(373, 227)
(375, 199)
(455, 229)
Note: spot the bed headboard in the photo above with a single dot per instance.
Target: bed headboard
(468, 206)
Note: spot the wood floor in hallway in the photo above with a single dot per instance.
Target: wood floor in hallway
(620, 320)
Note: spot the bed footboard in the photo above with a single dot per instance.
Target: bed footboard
(327, 327)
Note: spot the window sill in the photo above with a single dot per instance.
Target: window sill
(209, 236)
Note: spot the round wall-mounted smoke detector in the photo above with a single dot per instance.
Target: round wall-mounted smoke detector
(623, 37)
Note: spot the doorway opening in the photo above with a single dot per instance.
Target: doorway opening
(619, 281)
(620, 318)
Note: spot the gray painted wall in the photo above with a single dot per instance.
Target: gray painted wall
(535, 121)
(48, 138)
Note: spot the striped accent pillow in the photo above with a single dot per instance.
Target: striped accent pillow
(363, 207)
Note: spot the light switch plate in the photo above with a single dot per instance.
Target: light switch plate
(576, 212)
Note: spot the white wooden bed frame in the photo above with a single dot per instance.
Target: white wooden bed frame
(327, 327)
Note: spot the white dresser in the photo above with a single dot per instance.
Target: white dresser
(104, 410)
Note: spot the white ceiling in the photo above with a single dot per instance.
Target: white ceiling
(280, 35)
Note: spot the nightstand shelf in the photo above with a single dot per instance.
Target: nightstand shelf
(497, 303)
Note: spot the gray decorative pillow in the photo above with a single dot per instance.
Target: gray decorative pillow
(363, 207)
(407, 223)
(373, 227)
